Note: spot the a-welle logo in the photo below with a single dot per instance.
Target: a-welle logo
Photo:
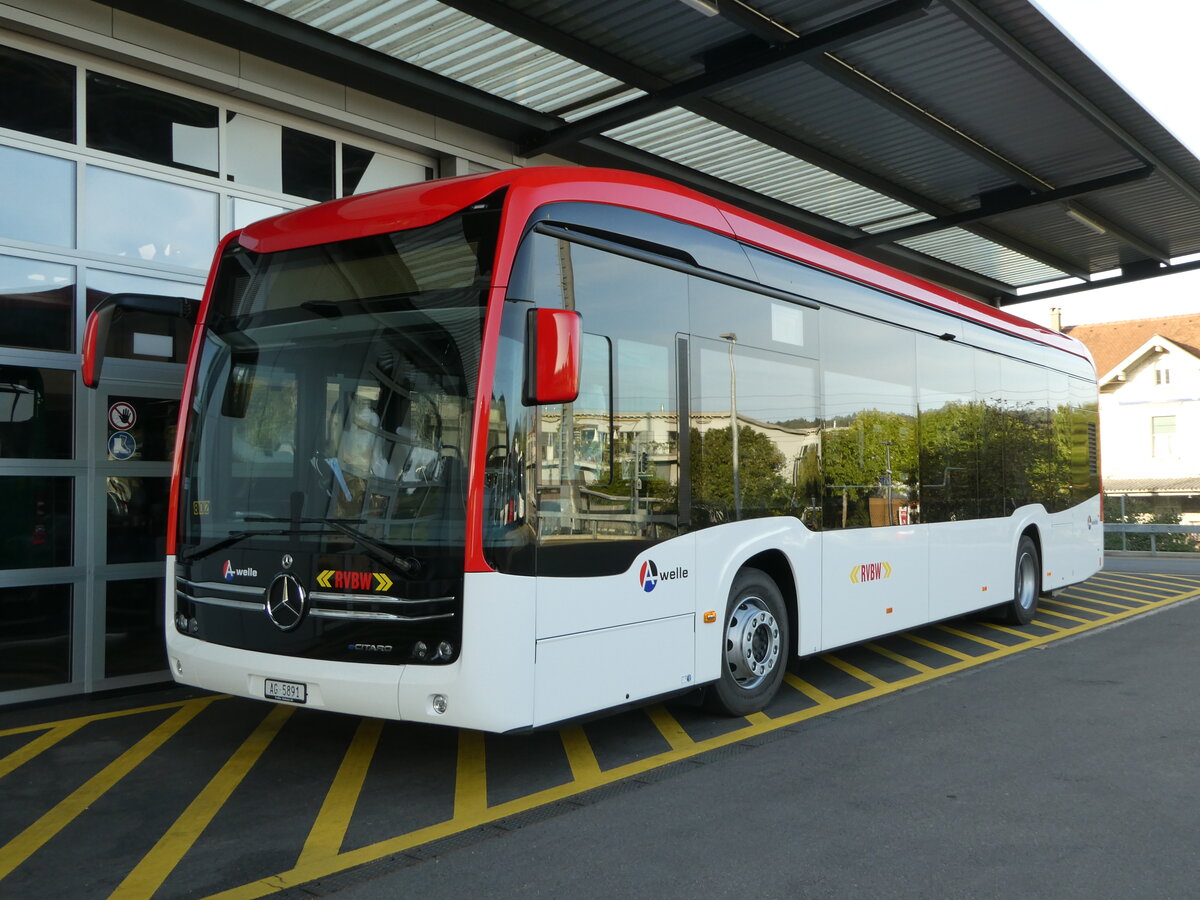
(649, 575)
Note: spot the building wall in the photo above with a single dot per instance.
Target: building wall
(1161, 393)
(125, 153)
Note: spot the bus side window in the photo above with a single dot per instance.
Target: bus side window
(775, 471)
(951, 420)
(608, 464)
(1025, 417)
(870, 427)
(1084, 459)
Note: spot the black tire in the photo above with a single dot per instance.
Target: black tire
(1027, 585)
(754, 653)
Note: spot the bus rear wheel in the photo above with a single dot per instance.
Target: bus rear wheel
(755, 649)
(1027, 585)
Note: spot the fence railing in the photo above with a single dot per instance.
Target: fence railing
(1127, 528)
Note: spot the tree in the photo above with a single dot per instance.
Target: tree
(765, 491)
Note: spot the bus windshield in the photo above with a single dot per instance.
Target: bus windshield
(333, 394)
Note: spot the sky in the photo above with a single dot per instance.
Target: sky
(1150, 48)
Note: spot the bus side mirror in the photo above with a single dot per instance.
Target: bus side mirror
(95, 336)
(236, 401)
(552, 342)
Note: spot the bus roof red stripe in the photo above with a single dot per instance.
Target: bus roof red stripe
(420, 204)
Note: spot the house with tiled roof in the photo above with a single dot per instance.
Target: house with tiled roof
(1149, 376)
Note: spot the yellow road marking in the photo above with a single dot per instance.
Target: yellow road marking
(22, 755)
(1076, 607)
(758, 718)
(1125, 596)
(672, 731)
(99, 717)
(149, 874)
(855, 672)
(1046, 608)
(329, 830)
(482, 815)
(1127, 587)
(1004, 628)
(1058, 628)
(995, 645)
(1106, 603)
(36, 835)
(1148, 578)
(1178, 584)
(896, 657)
(940, 648)
(470, 777)
(580, 755)
(811, 691)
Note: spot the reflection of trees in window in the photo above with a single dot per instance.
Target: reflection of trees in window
(870, 469)
(765, 489)
(777, 438)
(950, 462)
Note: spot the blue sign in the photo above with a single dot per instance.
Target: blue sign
(121, 445)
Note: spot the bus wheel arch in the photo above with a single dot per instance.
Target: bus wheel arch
(756, 642)
(776, 565)
(1027, 579)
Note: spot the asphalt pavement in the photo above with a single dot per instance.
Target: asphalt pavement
(1072, 771)
(1160, 563)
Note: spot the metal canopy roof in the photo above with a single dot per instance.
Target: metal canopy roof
(965, 140)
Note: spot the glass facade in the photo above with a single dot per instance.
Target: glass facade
(117, 182)
(37, 303)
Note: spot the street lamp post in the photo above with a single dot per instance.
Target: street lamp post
(887, 449)
(733, 416)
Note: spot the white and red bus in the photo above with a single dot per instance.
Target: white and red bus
(504, 450)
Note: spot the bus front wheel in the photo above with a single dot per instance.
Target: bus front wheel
(755, 649)
(1027, 585)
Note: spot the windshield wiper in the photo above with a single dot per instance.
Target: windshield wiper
(228, 541)
(406, 564)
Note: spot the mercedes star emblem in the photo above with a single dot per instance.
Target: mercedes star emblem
(285, 602)
(287, 560)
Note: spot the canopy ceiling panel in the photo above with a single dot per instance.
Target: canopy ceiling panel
(968, 141)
